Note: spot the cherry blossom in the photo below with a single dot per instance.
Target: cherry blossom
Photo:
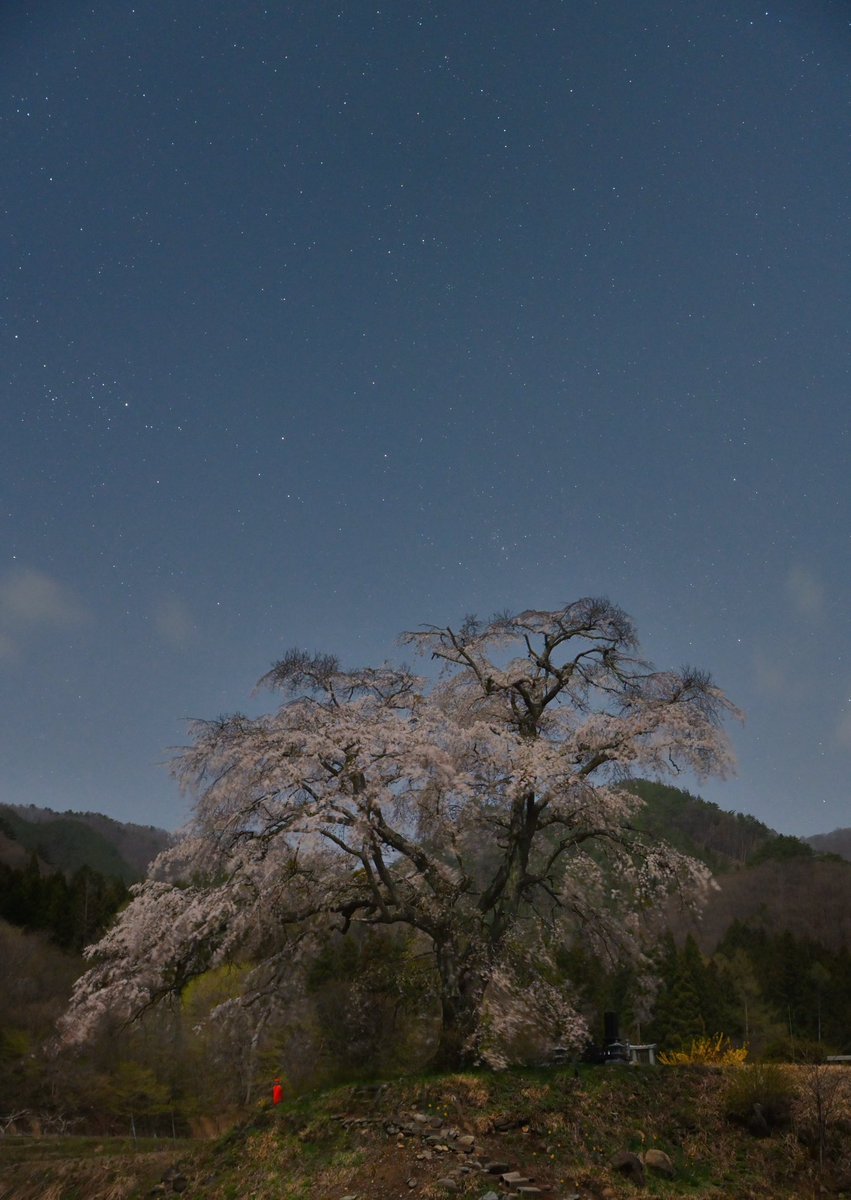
(485, 810)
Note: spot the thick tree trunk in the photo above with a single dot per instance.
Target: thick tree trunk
(455, 1048)
(461, 989)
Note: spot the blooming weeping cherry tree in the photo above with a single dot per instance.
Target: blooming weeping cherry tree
(485, 811)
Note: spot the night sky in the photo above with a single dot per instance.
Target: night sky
(324, 321)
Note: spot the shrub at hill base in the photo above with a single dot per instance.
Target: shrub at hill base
(759, 1097)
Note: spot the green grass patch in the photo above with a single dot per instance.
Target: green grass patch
(37, 1149)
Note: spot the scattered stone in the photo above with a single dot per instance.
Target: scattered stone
(513, 1178)
(450, 1184)
(490, 1196)
(412, 1182)
(628, 1164)
(529, 1189)
(658, 1162)
(467, 1141)
(370, 1091)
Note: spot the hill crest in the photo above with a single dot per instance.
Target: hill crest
(69, 840)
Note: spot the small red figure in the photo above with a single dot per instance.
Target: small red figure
(277, 1092)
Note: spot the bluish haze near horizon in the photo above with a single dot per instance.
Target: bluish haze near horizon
(320, 322)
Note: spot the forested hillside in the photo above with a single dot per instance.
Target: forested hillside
(66, 875)
(723, 840)
(67, 841)
(63, 877)
(764, 879)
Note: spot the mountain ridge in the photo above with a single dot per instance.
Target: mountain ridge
(67, 841)
(836, 842)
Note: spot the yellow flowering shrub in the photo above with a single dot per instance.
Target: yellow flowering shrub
(717, 1051)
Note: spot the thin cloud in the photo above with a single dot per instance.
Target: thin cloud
(805, 591)
(770, 677)
(174, 623)
(32, 602)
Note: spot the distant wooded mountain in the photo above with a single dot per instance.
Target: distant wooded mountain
(70, 840)
(838, 842)
(765, 879)
(722, 840)
(65, 875)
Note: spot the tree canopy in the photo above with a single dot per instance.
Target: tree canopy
(483, 810)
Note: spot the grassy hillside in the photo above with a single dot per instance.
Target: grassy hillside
(561, 1132)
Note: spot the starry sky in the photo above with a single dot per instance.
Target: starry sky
(323, 321)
